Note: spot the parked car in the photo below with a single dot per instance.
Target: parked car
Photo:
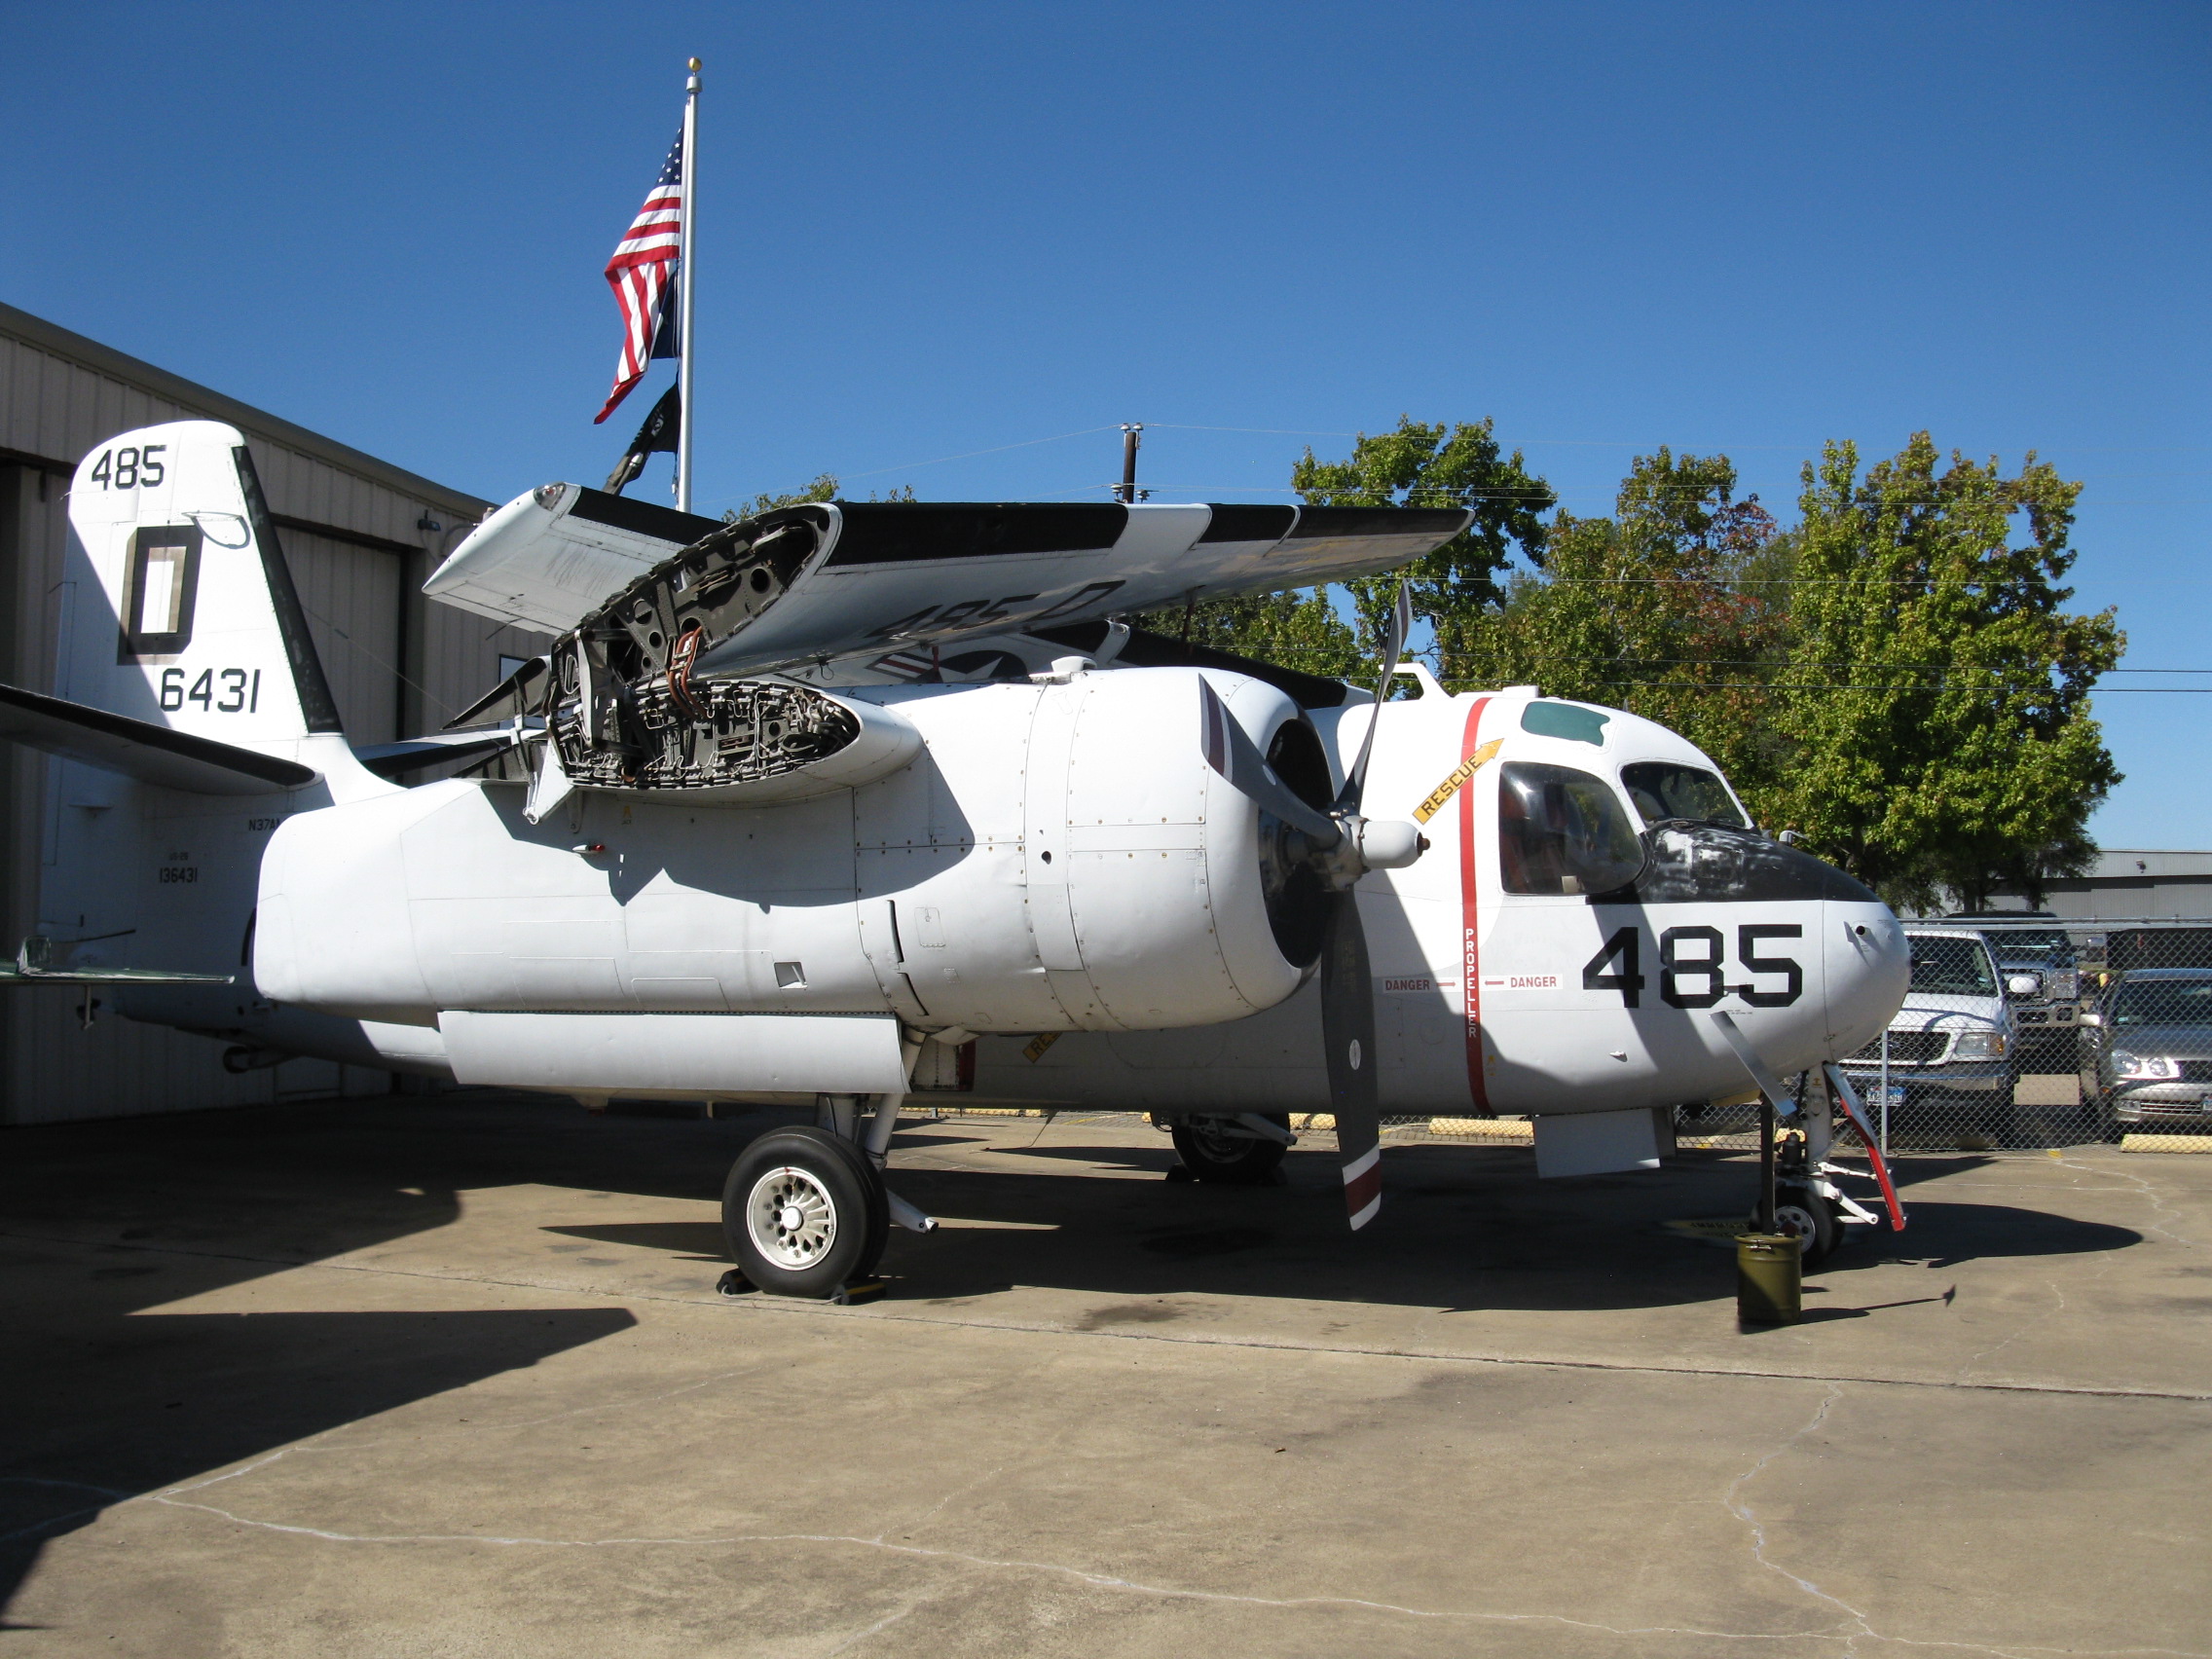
(1951, 1062)
(2152, 1065)
(2043, 982)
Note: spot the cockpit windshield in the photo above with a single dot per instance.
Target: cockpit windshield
(1661, 789)
(1563, 832)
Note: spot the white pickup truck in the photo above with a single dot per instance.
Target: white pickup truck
(1951, 1049)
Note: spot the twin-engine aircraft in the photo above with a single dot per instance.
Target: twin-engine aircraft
(848, 802)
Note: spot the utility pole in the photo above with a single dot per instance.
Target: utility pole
(1132, 436)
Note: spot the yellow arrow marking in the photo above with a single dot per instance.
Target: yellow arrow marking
(1460, 773)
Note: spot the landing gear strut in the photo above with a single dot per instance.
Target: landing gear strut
(1800, 1209)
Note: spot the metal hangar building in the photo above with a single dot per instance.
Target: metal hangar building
(360, 535)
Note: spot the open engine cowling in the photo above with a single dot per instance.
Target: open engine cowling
(1053, 857)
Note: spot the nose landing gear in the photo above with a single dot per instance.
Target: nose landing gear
(1800, 1209)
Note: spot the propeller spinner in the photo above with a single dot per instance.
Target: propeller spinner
(1341, 845)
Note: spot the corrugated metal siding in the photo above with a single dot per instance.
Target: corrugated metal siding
(394, 671)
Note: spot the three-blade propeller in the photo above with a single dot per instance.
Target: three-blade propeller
(1345, 846)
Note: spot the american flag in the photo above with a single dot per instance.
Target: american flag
(643, 276)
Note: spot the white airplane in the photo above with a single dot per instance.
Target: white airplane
(853, 801)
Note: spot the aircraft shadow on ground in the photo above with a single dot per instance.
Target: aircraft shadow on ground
(112, 1398)
(106, 1224)
(1462, 1228)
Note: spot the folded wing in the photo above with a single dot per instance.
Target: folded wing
(804, 584)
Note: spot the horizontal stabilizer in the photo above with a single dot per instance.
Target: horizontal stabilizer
(389, 759)
(137, 749)
(43, 961)
(520, 693)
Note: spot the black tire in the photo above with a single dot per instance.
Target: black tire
(878, 1206)
(1811, 1219)
(1227, 1160)
(836, 1196)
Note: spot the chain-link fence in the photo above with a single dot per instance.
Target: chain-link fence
(2018, 1032)
(2029, 1032)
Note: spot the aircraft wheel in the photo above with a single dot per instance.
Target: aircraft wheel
(1809, 1218)
(804, 1213)
(1212, 1154)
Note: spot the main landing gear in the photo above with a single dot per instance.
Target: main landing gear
(806, 1212)
(1241, 1150)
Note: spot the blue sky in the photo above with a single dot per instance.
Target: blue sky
(933, 230)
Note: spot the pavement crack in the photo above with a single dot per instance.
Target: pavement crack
(934, 1510)
(1740, 1508)
(1085, 1576)
(885, 1623)
(67, 1518)
(767, 1306)
(2159, 1207)
(2049, 1313)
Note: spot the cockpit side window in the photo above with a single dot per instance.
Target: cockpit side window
(1561, 831)
(1661, 789)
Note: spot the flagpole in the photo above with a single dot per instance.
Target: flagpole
(683, 292)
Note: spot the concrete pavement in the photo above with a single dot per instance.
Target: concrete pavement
(449, 1377)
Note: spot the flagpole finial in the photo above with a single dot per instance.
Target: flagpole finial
(694, 65)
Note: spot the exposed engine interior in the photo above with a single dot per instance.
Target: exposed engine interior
(663, 732)
(620, 699)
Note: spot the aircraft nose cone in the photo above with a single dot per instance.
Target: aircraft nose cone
(1868, 966)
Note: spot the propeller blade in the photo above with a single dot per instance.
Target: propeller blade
(1347, 1032)
(1394, 646)
(1229, 752)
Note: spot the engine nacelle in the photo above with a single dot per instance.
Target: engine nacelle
(1056, 857)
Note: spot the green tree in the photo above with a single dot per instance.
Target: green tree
(823, 489)
(1295, 629)
(1420, 464)
(1675, 608)
(1415, 464)
(1937, 694)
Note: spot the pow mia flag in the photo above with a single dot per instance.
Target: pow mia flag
(656, 435)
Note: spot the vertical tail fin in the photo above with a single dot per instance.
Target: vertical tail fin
(179, 607)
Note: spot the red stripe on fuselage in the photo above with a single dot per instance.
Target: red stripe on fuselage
(1470, 949)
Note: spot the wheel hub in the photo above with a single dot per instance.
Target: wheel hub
(792, 1217)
